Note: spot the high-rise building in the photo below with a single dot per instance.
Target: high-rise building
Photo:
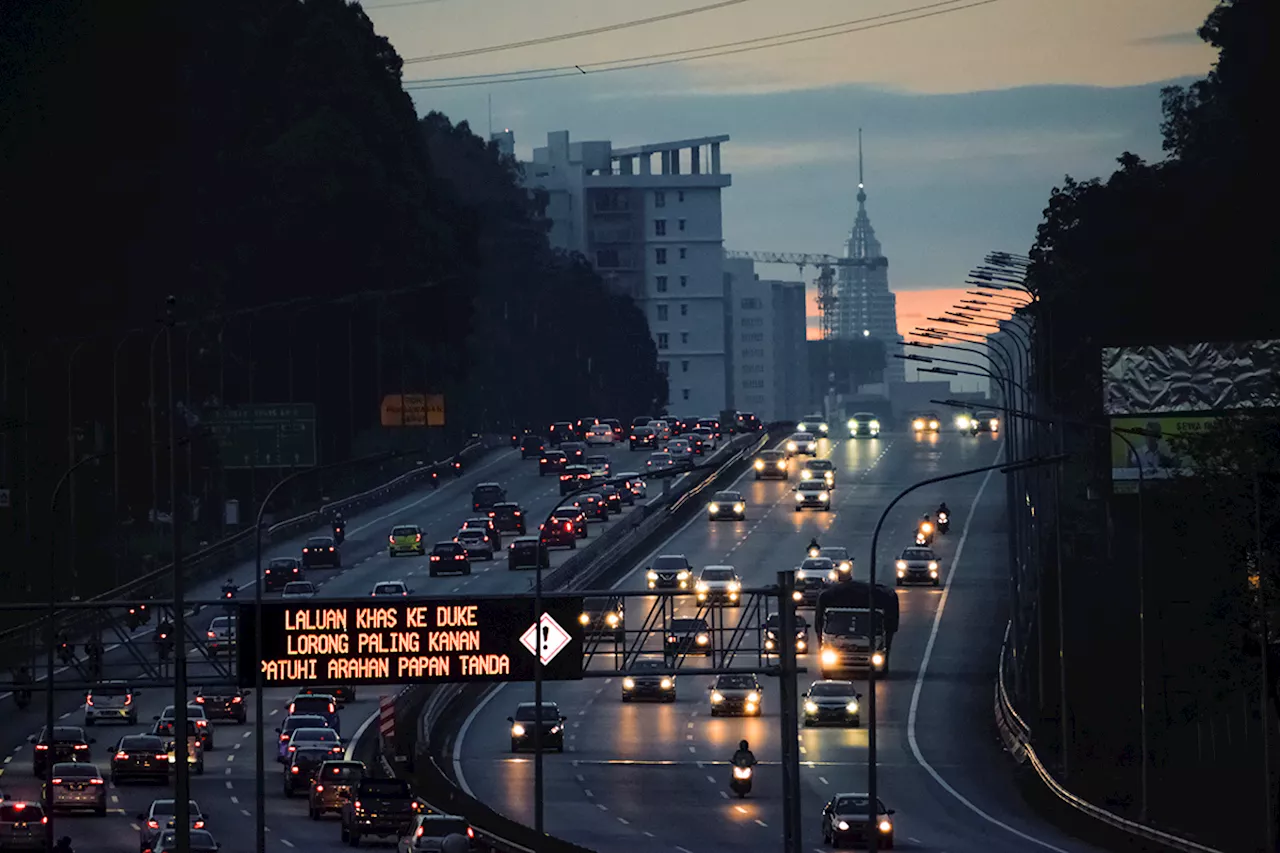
(864, 304)
(765, 342)
(654, 235)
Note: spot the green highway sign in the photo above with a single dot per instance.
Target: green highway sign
(265, 435)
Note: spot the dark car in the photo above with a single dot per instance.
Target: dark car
(575, 450)
(574, 477)
(710, 424)
(448, 557)
(697, 443)
(531, 446)
(67, 744)
(603, 618)
(561, 431)
(772, 465)
(613, 498)
(551, 461)
(22, 825)
(686, 637)
(593, 506)
(303, 765)
(773, 627)
(508, 517)
(528, 552)
(321, 552)
(342, 693)
(382, 808)
(280, 571)
(485, 495)
(331, 782)
(140, 758)
(984, 421)
(562, 531)
(642, 437)
(222, 702)
(832, 701)
(649, 679)
(847, 818)
(615, 426)
(670, 571)
(527, 717)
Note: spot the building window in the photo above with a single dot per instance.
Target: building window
(661, 283)
(756, 338)
(753, 383)
(684, 337)
(753, 352)
(660, 255)
(753, 368)
(684, 310)
(684, 367)
(663, 340)
(681, 224)
(684, 281)
(684, 253)
(751, 305)
(659, 199)
(660, 227)
(662, 313)
(680, 195)
(752, 322)
(664, 367)
(684, 392)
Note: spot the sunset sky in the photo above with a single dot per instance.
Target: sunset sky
(970, 116)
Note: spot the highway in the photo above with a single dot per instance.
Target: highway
(648, 777)
(225, 792)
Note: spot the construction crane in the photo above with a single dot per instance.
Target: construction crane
(826, 281)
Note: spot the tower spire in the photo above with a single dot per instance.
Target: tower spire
(862, 195)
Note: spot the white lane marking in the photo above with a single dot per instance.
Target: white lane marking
(711, 779)
(924, 668)
(602, 807)
(762, 823)
(462, 735)
(235, 801)
(355, 739)
(623, 820)
(587, 793)
(229, 785)
(823, 779)
(285, 842)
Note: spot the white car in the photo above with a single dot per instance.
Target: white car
(477, 543)
(661, 430)
(299, 589)
(819, 469)
(658, 461)
(386, 589)
(600, 434)
(719, 584)
(802, 444)
(918, 565)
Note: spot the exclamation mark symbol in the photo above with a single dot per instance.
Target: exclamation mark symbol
(546, 640)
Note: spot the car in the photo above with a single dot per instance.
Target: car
(603, 618)
(379, 808)
(280, 571)
(661, 430)
(560, 532)
(508, 517)
(583, 424)
(321, 552)
(670, 571)
(727, 505)
(531, 446)
(813, 494)
(342, 694)
(772, 628)
(641, 420)
(600, 434)
(195, 749)
(221, 634)
(140, 758)
(918, 565)
(222, 702)
(159, 818)
(707, 437)
(551, 461)
(166, 719)
(485, 495)
(559, 432)
(840, 559)
(821, 471)
(111, 702)
(477, 543)
(749, 422)
(771, 465)
(649, 678)
(304, 763)
(486, 524)
(615, 425)
(576, 451)
(812, 577)
(322, 739)
(736, 694)
(528, 552)
(332, 780)
(863, 425)
(68, 743)
(697, 444)
(390, 589)
(926, 422)
(679, 449)
(448, 557)
(428, 832)
(634, 483)
(572, 514)
(317, 704)
(23, 825)
(815, 424)
(573, 478)
(292, 723)
(75, 785)
(406, 539)
(984, 421)
(802, 444)
(642, 437)
(847, 819)
(299, 589)
(686, 636)
(593, 506)
(598, 464)
(527, 717)
(832, 701)
(613, 498)
(200, 841)
(712, 426)
(659, 461)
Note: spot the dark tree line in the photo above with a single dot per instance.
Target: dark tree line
(260, 162)
(1174, 252)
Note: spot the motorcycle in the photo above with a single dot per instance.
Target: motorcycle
(22, 698)
(741, 783)
(164, 642)
(924, 534)
(456, 465)
(339, 532)
(138, 616)
(944, 523)
(435, 479)
(228, 592)
(815, 552)
(67, 654)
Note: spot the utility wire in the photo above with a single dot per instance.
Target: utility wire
(400, 4)
(872, 22)
(477, 51)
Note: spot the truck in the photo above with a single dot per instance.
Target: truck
(855, 626)
(382, 808)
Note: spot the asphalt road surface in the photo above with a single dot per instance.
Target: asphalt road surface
(650, 777)
(225, 792)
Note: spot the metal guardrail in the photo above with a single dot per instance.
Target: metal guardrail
(1017, 737)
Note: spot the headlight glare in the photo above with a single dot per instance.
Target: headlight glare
(811, 707)
(517, 730)
(628, 683)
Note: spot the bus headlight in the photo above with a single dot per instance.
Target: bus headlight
(829, 657)
(665, 683)
(877, 659)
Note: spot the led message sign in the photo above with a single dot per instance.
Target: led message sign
(409, 641)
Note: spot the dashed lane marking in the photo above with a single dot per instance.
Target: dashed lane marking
(762, 823)
(229, 785)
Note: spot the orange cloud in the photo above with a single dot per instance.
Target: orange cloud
(915, 307)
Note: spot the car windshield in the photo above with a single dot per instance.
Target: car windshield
(309, 735)
(344, 772)
(385, 789)
(852, 804)
(688, 626)
(296, 587)
(820, 465)
(21, 813)
(389, 588)
(471, 533)
(728, 497)
(439, 827)
(736, 682)
(717, 574)
(812, 487)
(112, 690)
(404, 531)
(771, 455)
(67, 734)
(774, 622)
(219, 690)
(311, 755)
(596, 605)
(832, 688)
(140, 743)
(283, 563)
(168, 807)
(648, 665)
(529, 712)
(221, 623)
(817, 564)
(598, 460)
(670, 562)
(917, 554)
(802, 436)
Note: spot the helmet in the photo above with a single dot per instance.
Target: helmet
(742, 744)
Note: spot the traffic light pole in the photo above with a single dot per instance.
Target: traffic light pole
(791, 832)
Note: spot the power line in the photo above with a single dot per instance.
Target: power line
(477, 51)
(871, 22)
(369, 8)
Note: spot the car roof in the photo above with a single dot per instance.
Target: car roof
(729, 493)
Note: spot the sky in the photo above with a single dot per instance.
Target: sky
(970, 116)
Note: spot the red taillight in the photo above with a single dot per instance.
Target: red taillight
(235, 699)
(319, 788)
(330, 548)
(293, 769)
(212, 635)
(493, 515)
(417, 538)
(57, 781)
(89, 701)
(568, 525)
(95, 781)
(122, 756)
(199, 700)
(471, 833)
(160, 756)
(198, 825)
(306, 550)
(391, 539)
(459, 556)
(153, 824)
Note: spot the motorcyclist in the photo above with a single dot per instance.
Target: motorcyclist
(942, 510)
(813, 545)
(93, 651)
(164, 631)
(229, 589)
(743, 757)
(22, 687)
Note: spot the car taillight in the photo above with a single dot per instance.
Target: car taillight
(198, 825)
(199, 700)
(306, 550)
(153, 824)
(57, 781)
(417, 538)
(293, 769)
(122, 756)
(82, 746)
(95, 781)
(330, 548)
(160, 756)
(89, 701)
(391, 539)
(236, 699)
(212, 635)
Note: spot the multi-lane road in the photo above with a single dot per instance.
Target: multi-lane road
(225, 792)
(648, 777)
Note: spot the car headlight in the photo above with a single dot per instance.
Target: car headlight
(791, 445)
(734, 586)
(811, 707)
(703, 639)
(612, 619)
(682, 575)
(797, 596)
(584, 619)
(768, 645)
(759, 464)
(753, 697)
(963, 422)
(933, 424)
(555, 730)
(853, 424)
(823, 427)
(653, 576)
(782, 466)
(713, 508)
(852, 707)
(874, 425)
(822, 496)
(877, 659)
(806, 474)
(739, 507)
(800, 575)
(833, 575)
(933, 567)
(885, 826)
(700, 586)
(628, 683)
(666, 683)
(902, 564)
(917, 425)
(517, 730)
(716, 698)
(829, 477)
(843, 826)
(829, 657)
(801, 645)
(799, 496)
(802, 426)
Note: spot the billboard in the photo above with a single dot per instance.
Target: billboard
(1152, 451)
(412, 410)
(1204, 377)
(371, 641)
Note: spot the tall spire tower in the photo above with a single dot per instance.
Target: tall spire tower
(865, 305)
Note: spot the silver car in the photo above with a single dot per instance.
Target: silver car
(813, 494)
(719, 584)
(299, 589)
(78, 785)
(634, 484)
(390, 589)
(832, 701)
(918, 565)
(802, 444)
(477, 543)
(839, 556)
(428, 832)
(221, 634)
(160, 817)
(735, 695)
(111, 702)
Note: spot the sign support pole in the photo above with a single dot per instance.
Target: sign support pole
(791, 832)
(537, 704)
